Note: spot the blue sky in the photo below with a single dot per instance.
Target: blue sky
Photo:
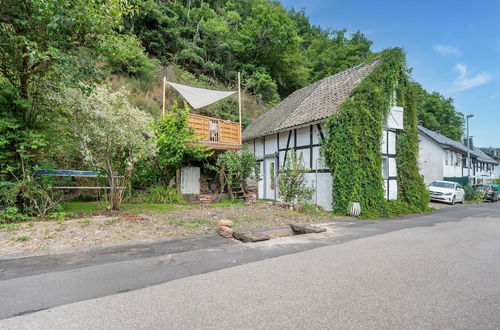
(452, 46)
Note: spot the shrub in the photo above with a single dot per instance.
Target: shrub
(28, 196)
(291, 180)
(162, 195)
(238, 167)
(470, 193)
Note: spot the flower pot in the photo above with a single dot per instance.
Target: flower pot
(354, 209)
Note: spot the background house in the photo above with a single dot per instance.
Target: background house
(298, 123)
(441, 158)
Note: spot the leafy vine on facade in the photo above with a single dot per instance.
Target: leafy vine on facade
(352, 147)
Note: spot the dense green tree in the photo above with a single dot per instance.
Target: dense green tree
(176, 143)
(438, 113)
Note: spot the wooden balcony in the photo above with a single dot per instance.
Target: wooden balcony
(216, 133)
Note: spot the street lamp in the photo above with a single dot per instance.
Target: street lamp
(468, 148)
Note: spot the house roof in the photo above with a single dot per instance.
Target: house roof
(444, 141)
(447, 143)
(313, 103)
(481, 156)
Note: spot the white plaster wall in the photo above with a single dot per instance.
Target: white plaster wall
(318, 161)
(316, 134)
(322, 183)
(303, 136)
(284, 139)
(259, 148)
(451, 169)
(305, 157)
(260, 185)
(392, 167)
(393, 189)
(271, 144)
(383, 145)
(430, 160)
(392, 142)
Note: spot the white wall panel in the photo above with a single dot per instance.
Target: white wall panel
(316, 135)
(284, 139)
(393, 189)
(303, 136)
(305, 157)
(322, 184)
(391, 141)
(259, 148)
(392, 167)
(261, 181)
(271, 144)
(383, 145)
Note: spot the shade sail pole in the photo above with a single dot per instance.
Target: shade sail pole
(239, 100)
(163, 104)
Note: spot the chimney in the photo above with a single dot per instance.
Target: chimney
(471, 142)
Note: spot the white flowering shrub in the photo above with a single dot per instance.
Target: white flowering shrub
(112, 134)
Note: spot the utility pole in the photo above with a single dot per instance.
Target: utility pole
(239, 101)
(468, 149)
(163, 96)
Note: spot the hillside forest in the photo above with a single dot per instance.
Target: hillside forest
(72, 72)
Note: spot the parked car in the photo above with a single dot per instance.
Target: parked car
(490, 194)
(447, 191)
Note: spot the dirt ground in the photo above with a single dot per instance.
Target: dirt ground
(97, 230)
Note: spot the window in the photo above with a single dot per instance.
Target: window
(446, 158)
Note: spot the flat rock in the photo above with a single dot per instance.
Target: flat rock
(305, 228)
(246, 236)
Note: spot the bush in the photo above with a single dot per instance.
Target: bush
(29, 196)
(162, 195)
(238, 167)
(11, 214)
(291, 180)
(399, 208)
(471, 194)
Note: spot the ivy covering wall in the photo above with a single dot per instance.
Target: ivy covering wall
(351, 148)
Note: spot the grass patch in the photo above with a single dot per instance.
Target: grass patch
(83, 207)
(110, 222)
(228, 203)
(20, 238)
(84, 223)
(10, 226)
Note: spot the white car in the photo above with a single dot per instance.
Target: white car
(447, 191)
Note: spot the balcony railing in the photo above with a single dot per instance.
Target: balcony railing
(216, 133)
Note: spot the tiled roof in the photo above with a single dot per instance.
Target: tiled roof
(309, 104)
(446, 142)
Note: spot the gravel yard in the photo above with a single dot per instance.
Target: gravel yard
(102, 227)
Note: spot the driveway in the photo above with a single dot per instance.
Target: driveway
(438, 270)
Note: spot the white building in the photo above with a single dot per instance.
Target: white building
(440, 157)
(298, 123)
(443, 158)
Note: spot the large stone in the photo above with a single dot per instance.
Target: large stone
(246, 236)
(225, 231)
(305, 228)
(225, 222)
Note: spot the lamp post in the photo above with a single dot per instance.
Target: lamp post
(468, 148)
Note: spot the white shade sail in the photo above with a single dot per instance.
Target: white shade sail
(199, 97)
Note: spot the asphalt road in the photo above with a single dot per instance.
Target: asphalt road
(440, 270)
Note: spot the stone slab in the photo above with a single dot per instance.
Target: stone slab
(305, 228)
(250, 236)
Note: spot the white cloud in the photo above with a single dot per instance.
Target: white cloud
(448, 50)
(464, 82)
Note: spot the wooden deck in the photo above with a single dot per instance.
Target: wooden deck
(216, 133)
